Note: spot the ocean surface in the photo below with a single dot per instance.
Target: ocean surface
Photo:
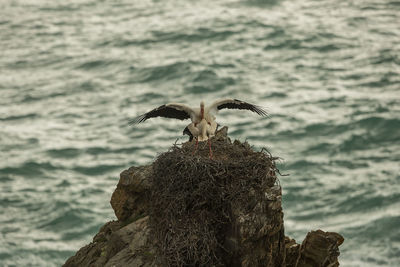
(72, 73)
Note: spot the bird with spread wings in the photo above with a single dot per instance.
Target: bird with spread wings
(203, 125)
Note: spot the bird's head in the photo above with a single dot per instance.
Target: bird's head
(202, 109)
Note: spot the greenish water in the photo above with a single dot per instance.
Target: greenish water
(72, 74)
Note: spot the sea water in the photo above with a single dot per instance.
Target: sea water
(72, 74)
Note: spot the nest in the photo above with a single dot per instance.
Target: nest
(193, 198)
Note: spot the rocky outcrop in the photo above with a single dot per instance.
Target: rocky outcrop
(319, 248)
(130, 199)
(117, 244)
(186, 210)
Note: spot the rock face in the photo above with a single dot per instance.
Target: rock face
(188, 210)
(319, 248)
(131, 198)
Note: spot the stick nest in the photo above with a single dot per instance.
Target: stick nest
(193, 198)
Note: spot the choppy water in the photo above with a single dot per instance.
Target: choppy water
(73, 72)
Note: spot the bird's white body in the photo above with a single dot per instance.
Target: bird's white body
(203, 130)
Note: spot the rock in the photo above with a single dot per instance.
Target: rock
(228, 207)
(259, 233)
(292, 252)
(118, 245)
(320, 248)
(99, 251)
(130, 199)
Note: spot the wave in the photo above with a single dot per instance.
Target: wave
(365, 199)
(96, 64)
(64, 152)
(375, 127)
(305, 44)
(20, 117)
(30, 169)
(207, 81)
(65, 220)
(195, 81)
(197, 35)
(97, 169)
(171, 71)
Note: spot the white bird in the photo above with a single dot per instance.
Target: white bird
(203, 124)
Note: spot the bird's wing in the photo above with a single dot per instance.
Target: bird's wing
(236, 104)
(172, 110)
(182, 107)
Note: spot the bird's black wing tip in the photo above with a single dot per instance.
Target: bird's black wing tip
(260, 111)
(137, 120)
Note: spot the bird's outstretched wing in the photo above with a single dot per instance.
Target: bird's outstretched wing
(236, 104)
(172, 110)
